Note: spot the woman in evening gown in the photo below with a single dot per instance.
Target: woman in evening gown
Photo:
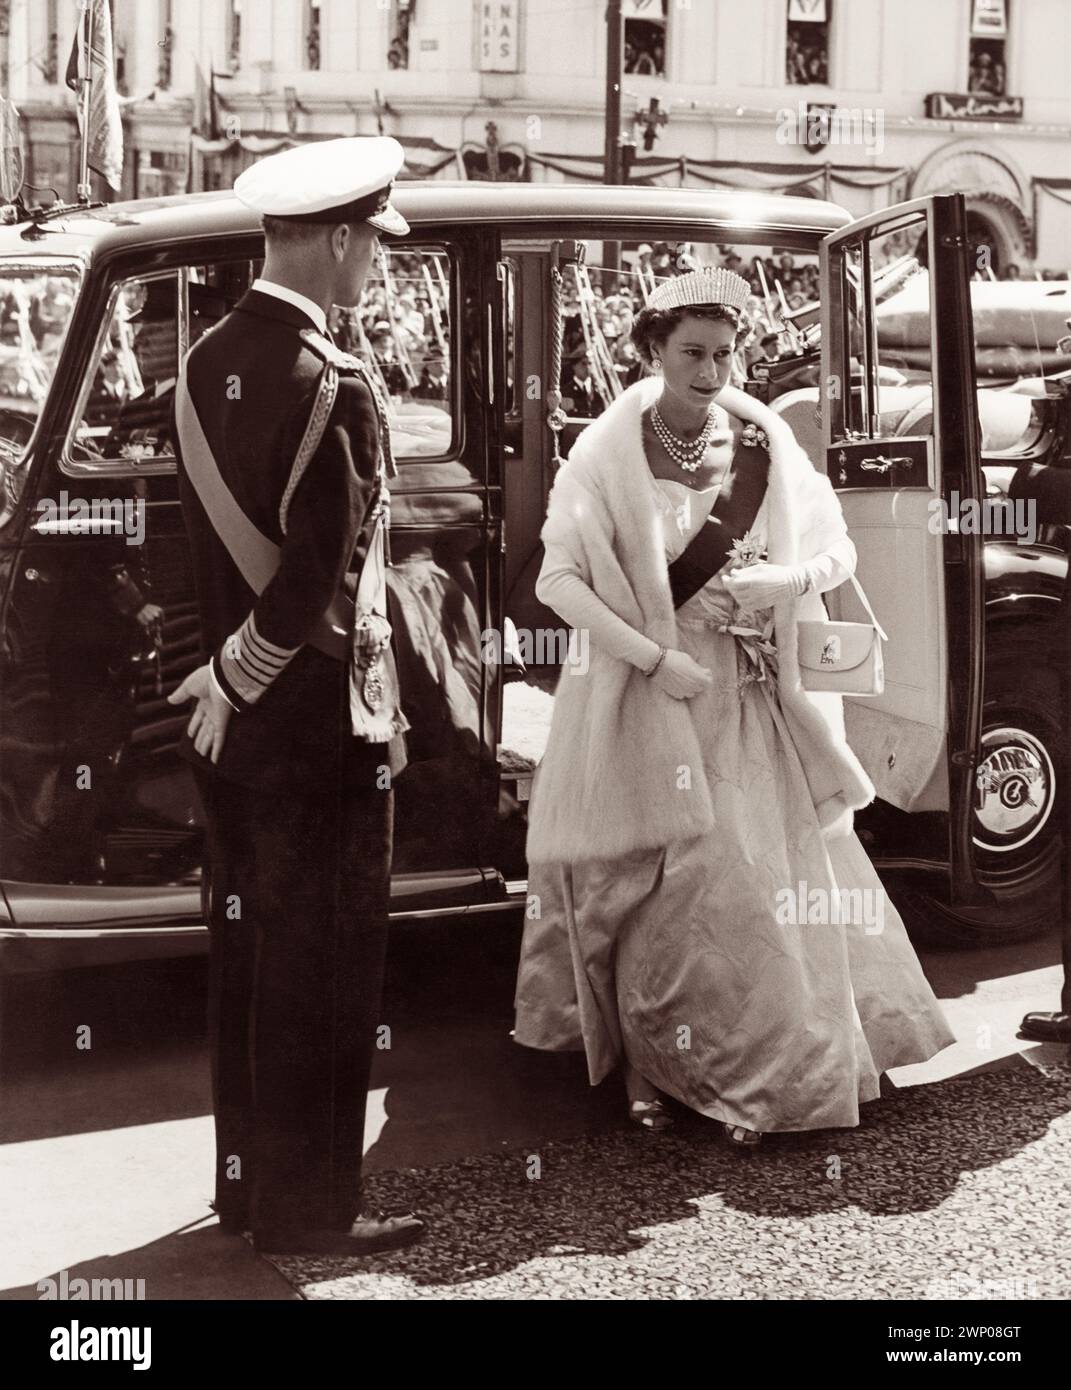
(694, 803)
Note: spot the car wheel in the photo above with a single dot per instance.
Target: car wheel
(1018, 813)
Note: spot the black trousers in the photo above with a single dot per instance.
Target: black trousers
(299, 891)
(1065, 994)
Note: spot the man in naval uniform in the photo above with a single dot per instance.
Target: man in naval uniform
(283, 452)
(1048, 491)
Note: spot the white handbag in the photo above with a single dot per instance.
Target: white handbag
(843, 658)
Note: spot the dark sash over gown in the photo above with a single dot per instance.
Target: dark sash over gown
(732, 516)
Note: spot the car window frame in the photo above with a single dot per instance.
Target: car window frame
(456, 404)
(513, 406)
(120, 468)
(166, 464)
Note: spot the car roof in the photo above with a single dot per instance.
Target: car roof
(124, 226)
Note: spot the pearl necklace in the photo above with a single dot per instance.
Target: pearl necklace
(685, 453)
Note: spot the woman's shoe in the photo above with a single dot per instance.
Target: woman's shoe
(650, 1115)
(742, 1138)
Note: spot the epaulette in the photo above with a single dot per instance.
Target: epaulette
(331, 353)
(337, 361)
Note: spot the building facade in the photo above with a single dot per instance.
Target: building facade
(866, 102)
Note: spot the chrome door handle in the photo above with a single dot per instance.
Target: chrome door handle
(881, 464)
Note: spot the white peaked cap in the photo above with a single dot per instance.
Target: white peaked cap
(346, 180)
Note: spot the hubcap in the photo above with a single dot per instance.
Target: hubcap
(1014, 789)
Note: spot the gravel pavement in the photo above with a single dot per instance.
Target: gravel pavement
(956, 1190)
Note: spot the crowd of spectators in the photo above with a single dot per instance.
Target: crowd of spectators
(807, 55)
(615, 305)
(986, 75)
(618, 297)
(402, 327)
(645, 48)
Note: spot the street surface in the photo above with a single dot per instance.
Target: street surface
(535, 1187)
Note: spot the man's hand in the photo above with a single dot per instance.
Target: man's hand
(208, 723)
(149, 617)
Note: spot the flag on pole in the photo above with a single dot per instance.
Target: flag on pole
(205, 104)
(105, 125)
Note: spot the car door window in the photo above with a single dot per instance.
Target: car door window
(899, 284)
(882, 448)
(402, 329)
(122, 418)
(212, 289)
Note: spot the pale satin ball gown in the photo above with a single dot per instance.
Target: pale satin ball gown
(680, 959)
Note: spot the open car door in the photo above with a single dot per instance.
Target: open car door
(902, 447)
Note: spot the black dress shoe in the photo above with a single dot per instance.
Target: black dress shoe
(232, 1221)
(369, 1235)
(1046, 1027)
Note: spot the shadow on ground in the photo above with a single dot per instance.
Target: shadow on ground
(934, 1180)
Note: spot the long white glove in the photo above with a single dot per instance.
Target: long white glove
(211, 714)
(762, 585)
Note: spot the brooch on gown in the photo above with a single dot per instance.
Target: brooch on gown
(749, 550)
(751, 435)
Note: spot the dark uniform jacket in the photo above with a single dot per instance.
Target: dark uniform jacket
(253, 380)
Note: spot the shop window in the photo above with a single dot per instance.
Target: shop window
(645, 37)
(234, 35)
(807, 42)
(401, 17)
(166, 46)
(162, 173)
(313, 34)
(51, 63)
(987, 66)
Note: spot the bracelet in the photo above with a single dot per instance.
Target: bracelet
(658, 660)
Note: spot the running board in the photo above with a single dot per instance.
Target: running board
(81, 912)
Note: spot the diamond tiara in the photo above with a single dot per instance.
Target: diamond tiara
(707, 286)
